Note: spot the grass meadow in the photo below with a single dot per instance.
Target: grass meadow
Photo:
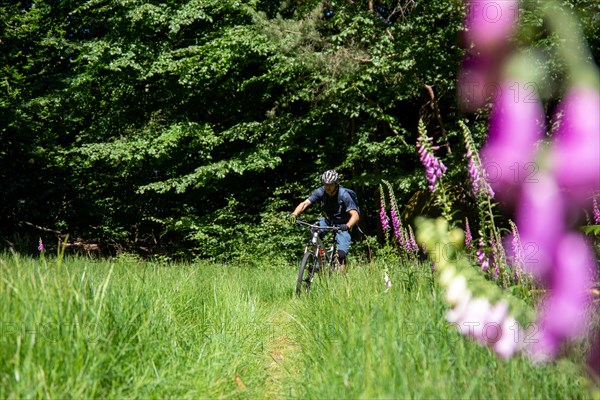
(126, 328)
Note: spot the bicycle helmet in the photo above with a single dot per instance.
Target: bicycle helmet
(329, 177)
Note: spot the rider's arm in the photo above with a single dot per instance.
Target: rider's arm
(353, 219)
(301, 207)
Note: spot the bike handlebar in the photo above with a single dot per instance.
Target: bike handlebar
(327, 228)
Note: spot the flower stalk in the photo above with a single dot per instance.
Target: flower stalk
(434, 171)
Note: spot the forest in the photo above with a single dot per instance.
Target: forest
(190, 128)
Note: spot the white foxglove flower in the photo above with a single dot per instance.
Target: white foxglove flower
(473, 320)
(447, 275)
(492, 330)
(455, 314)
(456, 290)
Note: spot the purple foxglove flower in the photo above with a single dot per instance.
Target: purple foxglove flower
(468, 236)
(406, 241)
(40, 246)
(434, 168)
(413, 243)
(596, 212)
(443, 168)
(490, 23)
(474, 174)
(480, 256)
(385, 221)
(541, 221)
(576, 150)
(496, 265)
(395, 222)
(514, 252)
(516, 124)
(485, 265)
(517, 250)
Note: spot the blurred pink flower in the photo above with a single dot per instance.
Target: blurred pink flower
(576, 150)
(566, 309)
(565, 313)
(511, 339)
(542, 346)
(493, 324)
(516, 124)
(489, 26)
(472, 322)
(490, 23)
(473, 88)
(541, 222)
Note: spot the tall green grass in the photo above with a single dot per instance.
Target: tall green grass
(359, 341)
(123, 328)
(81, 328)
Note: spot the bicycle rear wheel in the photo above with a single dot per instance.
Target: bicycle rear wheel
(305, 274)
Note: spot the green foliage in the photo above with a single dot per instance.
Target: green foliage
(591, 230)
(176, 125)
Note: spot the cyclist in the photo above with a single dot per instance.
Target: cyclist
(338, 208)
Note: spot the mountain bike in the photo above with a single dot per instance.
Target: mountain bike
(317, 257)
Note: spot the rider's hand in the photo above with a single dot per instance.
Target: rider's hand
(344, 227)
(292, 218)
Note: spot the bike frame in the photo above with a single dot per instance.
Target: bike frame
(322, 258)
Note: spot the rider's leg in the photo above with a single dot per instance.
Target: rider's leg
(341, 256)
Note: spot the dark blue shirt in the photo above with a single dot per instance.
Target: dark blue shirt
(335, 209)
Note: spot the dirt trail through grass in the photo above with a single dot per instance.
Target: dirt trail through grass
(282, 353)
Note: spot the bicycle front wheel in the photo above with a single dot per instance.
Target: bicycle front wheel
(305, 274)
